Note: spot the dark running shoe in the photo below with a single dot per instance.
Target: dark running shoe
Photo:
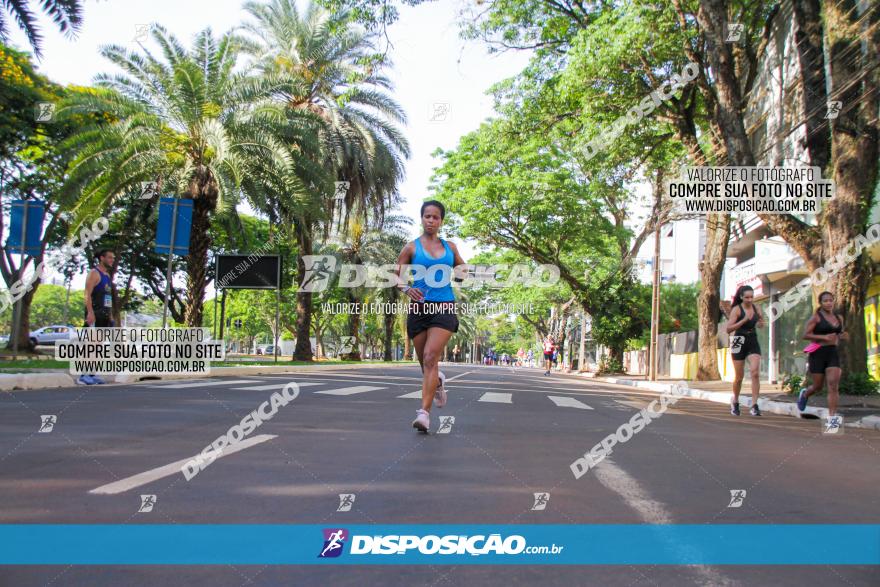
(802, 399)
(755, 411)
(734, 408)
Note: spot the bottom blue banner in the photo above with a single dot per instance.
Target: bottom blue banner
(171, 544)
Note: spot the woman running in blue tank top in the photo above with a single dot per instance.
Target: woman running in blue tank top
(431, 320)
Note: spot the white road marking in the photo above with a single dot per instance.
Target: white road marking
(568, 402)
(498, 398)
(651, 511)
(203, 383)
(349, 390)
(278, 385)
(171, 469)
(457, 376)
(413, 395)
(343, 376)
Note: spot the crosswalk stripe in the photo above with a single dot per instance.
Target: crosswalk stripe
(498, 398)
(278, 385)
(203, 383)
(413, 395)
(349, 390)
(568, 402)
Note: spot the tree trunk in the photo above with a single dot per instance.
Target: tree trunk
(303, 350)
(203, 191)
(808, 37)
(24, 330)
(709, 300)
(354, 327)
(712, 17)
(388, 323)
(854, 155)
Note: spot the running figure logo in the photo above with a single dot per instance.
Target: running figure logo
(439, 111)
(736, 343)
(334, 541)
(44, 111)
(833, 111)
(149, 189)
(346, 345)
(340, 188)
(319, 269)
(346, 500)
(734, 32)
(446, 423)
(737, 497)
(541, 500)
(833, 425)
(47, 423)
(147, 503)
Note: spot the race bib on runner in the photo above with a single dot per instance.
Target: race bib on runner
(736, 343)
(108, 301)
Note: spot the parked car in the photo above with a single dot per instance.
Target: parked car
(49, 334)
(269, 350)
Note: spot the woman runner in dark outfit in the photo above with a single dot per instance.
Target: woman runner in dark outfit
(431, 320)
(744, 317)
(824, 328)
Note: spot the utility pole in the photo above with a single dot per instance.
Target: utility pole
(655, 290)
(581, 366)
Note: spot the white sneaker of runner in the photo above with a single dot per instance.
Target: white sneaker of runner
(422, 421)
(440, 393)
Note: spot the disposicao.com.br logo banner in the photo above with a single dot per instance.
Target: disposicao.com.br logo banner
(437, 544)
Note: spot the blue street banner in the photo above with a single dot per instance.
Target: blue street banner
(35, 212)
(181, 229)
(438, 544)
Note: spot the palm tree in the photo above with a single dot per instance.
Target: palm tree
(359, 142)
(375, 245)
(187, 119)
(66, 14)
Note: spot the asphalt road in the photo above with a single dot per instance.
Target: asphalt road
(515, 433)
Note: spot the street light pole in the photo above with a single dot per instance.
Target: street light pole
(655, 307)
(583, 341)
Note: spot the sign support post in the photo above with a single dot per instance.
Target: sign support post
(171, 244)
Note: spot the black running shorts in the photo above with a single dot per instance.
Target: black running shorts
(823, 358)
(743, 345)
(425, 315)
(103, 319)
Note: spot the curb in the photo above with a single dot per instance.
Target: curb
(21, 381)
(722, 397)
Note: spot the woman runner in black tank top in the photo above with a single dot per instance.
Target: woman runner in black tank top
(744, 319)
(824, 328)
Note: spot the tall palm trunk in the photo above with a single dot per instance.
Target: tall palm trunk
(354, 319)
(303, 350)
(203, 191)
(388, 324)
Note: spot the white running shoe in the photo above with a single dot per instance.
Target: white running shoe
(422, 421)
(440, 394)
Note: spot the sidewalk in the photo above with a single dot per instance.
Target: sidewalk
(858, 411)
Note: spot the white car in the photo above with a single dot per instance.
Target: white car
(49, 334)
